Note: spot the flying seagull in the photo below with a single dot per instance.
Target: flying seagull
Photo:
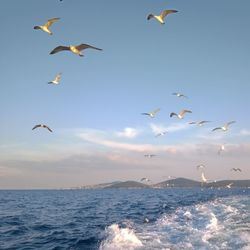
(224, 127)
(41, 126)
(149, 155)
(161, 133)
(46, 26)
(181, 114)
(229, 185)
(145, 179)
(236, 169)
(204, 179)
(200, 167)
(179, 95)
(161, 17)
(75, 49)
(56, 80)
(222, 148)
(152, 114)
(199, 123)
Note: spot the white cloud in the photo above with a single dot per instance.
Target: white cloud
(245, 132)
(128, 133)
(157, 128)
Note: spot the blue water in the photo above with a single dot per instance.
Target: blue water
(125, 219)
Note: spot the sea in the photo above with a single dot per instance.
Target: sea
(117, 219)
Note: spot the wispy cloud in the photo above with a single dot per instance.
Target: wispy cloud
(157, 128)
(245, 132)
(128, 133)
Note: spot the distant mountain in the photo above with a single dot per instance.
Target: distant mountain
(234, 183)
(129, 184)
(178, 182)
(99, 186)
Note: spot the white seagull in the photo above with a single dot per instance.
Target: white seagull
(199, 123)
(41, 126)
(179, 95)
(224, 127)
(204, 179)
(222, 148)
(74, 49)
(200, 167)
(229, 185)
(236, 169)
(152, 114)
(149, 155)
(161, 17)
(46, 26)
(56, 80)
(181, 114)
(145, 179)
(161, 133)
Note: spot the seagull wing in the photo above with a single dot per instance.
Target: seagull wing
(228, 123)
(51, 21)
(203, 177)
(45, 126)
(172, 114)
(145, 113)
(216, 128)
(192, 122)
(185, 111)
(164, 13)
(150, 16)
(36, 126)
(202, 122)
(58, 77)
(155, 111)
(58, 49)
(86, 46)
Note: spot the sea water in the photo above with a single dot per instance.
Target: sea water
(113, 219)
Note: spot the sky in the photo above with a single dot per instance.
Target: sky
(99, 133)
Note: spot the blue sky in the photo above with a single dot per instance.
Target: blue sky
(99, 134)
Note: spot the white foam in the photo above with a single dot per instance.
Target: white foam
(120, 238)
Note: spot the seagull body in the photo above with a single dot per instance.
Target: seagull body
(180, 95)
(56, 80)
(149, 155)
(152, 114)
(229, 185)
(145, 179)
(200, 167)
(161, 17)
(199, 123)
(204, 179)
(181, 114)
(161, 133)
(74, 49)
(46, 26)
(222, 148)
(224, 127)
(236, 169)
(41, 126)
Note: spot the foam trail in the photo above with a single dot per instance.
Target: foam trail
(120, 238)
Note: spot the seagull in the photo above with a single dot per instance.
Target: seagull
(75, 49)
(152, 114)
(41, 126)
(181, 114)
(161, 17)
(46, 26)
(204, 179)
(200, 167)
(149, 155)
(199, 123)
(224, 127)
(56, 80)
(229, 185)
(236, 169)
(145, 179)
(179, 95)
(222, 148)
(161, 133)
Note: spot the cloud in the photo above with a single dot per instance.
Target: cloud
(245, 132)
(6, 171)
(128, 133)
(157, 128)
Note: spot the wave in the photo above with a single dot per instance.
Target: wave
(217, 224)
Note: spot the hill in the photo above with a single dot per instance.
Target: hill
(128, 184)
(178, 182)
